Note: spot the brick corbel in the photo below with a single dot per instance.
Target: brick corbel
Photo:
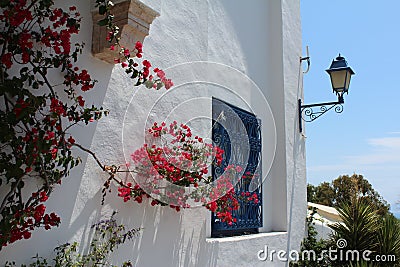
(133, 19)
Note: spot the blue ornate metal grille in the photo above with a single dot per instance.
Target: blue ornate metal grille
(241, 147)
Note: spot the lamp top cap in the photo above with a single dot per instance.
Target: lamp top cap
(339, 64)
(339, 58)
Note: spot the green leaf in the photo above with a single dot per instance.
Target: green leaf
(23, 70)
(102, 22)
(3, 89)
(149, 84)
(4, 3)
(102, 10)
(135, 74)
(35, 85)
(14, 173)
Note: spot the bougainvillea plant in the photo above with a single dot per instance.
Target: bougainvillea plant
(173, 168)
(42, 94)
(37, 112)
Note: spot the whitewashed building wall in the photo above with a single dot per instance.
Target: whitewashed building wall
(244, 52)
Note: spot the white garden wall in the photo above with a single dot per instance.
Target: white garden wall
(246, 53)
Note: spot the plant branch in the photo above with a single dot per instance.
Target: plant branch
(12, 191)
(44, 78)
(103, 167)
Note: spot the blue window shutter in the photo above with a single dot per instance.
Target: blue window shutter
(228, 134)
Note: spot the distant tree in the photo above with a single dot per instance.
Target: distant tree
(345, 187)
(321, 194)
(325, 194)
(342, 189)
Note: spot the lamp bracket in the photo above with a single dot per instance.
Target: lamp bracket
(311, 112)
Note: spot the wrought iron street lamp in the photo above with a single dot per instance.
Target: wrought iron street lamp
(340, 74)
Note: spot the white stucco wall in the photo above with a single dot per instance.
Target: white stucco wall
(255, 48)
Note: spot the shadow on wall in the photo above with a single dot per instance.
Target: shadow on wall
(165, 239)
(64, 198)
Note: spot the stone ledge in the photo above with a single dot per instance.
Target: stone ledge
(133, 19)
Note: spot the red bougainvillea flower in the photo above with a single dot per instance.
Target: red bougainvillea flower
(126, 52)
(54, 153)
(6, 60)
(37, 37)
(71, 140)
(43, 196)
(212, 206)
(160, 73)
(146, 63)
(139, 47)
(168, 83)
(49, 135)
(39, 212)
(57, 107)
(184, 162)
(80, 100)
(19, 107)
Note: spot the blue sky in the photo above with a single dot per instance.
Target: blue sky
(365, 138)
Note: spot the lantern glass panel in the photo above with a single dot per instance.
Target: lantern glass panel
(348, 77)
(338, 79)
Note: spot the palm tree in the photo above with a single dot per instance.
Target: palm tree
(389, 239)
(364, 229)
(363, 264)
(359, 225)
